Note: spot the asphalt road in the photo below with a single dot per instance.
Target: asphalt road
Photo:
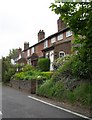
(16, 104)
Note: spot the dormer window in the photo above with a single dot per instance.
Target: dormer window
(60, 37)
(53, 39)
(68, 33)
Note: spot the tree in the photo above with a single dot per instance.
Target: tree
(13, 53)
(7, 69)
(78, 16)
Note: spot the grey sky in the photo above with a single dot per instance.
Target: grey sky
(20, 21)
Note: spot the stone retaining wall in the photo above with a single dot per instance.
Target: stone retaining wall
(24, 85)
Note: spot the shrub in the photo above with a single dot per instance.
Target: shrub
(19, 76)
(63, 71)
(58, 90)
(48, 74)
(7, 69)
(46, 89)
(44, 64)
(51, 89)
(80, 68)
(60, 61)
(28, 68)
(83, 94)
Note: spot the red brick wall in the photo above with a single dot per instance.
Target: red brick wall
(49, 42)
(39, 48)
(65, 47)
(25, 54)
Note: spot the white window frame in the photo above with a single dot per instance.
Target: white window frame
(47, 55)
(60, 37)
(53, 39)
(61, 52)
(68, 33)
(46, 44)
(29, 62)
(19, 56)
(32, 50)
(28, 52)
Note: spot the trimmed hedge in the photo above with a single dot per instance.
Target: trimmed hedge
(47, 74)
(44, 64)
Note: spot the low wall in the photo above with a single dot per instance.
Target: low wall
(24, 85)
(14, 84)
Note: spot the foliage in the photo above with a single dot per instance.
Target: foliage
(60, 61)
(28, 67)
(57, 90)
(46, 89)
(83, 92)
(13, 54)
(7, 69)
(78, 17)
(48, 74)
(29, 73)
(64, 71)
(44, 64)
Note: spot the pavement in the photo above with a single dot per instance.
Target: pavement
(17, 104)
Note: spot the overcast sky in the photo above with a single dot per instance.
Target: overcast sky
(20, 21)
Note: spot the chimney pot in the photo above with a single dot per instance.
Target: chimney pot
(41, 35)
(61, 25)
(26, 45)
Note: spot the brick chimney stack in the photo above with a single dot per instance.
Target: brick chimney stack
(61, 25)
(26, 45)
(41, 35)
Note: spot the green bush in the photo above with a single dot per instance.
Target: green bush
(60, 61)
(7, 70)
(28, 68)
(29, 73)
(19, 76)
(58, 90)
(63, 71)
(83, 94)
(51, 89)
(80, 94)
(69, 96)
(44, 64)
(46, 89)
(48, 74)
(80, 68)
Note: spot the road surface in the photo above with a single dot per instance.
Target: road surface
(16, 104)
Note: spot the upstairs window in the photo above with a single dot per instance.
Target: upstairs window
(28, 52)
(61, 54)
(68, 33)
(32, 50)
(46, 44)
(53, 39)
(60, 37)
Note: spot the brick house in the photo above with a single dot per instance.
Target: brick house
(58, 44)
(54, 46)
(20, 58)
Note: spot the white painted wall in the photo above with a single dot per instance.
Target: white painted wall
(51, 59)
